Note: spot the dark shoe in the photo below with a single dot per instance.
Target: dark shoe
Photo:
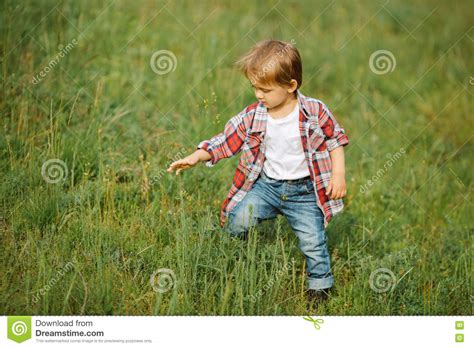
(317, 297)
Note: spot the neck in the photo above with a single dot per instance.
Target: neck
(285, 107)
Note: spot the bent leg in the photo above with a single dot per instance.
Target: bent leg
(254, 208)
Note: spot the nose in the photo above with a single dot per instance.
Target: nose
(259, 95)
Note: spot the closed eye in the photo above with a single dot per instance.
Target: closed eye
(263, 90)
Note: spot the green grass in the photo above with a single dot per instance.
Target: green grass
(117, 125)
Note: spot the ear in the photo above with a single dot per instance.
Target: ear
(293, 86)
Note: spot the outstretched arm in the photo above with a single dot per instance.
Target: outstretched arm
(223, 145)
(189, 161)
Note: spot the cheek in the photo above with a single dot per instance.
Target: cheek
(270, 96)
(276, 98)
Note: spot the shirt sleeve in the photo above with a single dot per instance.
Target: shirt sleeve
(227, 143)
(333, 132)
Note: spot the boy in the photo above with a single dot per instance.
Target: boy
(292, 159)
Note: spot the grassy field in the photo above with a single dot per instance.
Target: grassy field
(90, 119)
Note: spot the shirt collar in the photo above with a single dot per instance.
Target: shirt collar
(261, 114)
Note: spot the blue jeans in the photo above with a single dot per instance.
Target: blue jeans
(296, 200)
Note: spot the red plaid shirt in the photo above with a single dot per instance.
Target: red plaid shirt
(245, 133)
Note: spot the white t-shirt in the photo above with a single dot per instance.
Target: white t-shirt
(284, 154)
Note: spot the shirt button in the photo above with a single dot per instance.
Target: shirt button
(284, 197)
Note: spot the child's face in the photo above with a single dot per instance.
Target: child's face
(273, 95)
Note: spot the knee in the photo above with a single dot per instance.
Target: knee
(240, 221)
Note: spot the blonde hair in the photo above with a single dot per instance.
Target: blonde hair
(272, 61)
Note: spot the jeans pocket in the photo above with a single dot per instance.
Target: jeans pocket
(309, 186)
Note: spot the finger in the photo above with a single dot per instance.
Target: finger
(173, 166)
(180, 169)
(184, 166)
(177, 165)
(329, 188)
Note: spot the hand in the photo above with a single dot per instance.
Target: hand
(182, 164)
(337, 186)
